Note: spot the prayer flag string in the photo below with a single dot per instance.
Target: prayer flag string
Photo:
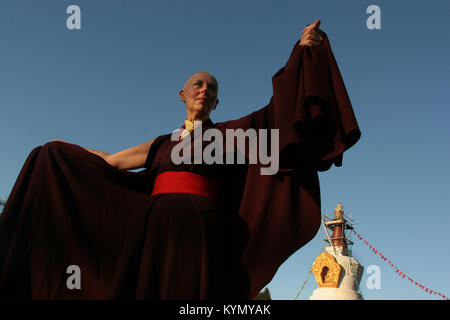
(397, 270)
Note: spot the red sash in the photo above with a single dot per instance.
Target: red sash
(185, 182)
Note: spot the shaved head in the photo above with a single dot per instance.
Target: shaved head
(193, 76)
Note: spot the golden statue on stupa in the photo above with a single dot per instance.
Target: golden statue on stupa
(338, 213)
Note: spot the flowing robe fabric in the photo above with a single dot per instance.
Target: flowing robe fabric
(70, 207)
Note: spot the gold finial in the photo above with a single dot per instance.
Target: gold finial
(338, 213)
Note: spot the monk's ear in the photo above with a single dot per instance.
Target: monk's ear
(182, 95)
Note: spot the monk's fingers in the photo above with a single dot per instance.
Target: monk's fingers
(307, 29)
(309, 43)
(314, 25)
(313, 37)
(313, 33)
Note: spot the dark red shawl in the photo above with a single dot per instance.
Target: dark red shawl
(87, 203)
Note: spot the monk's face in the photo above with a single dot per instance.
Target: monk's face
(200, 95)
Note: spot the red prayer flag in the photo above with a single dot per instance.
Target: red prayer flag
(399, 272)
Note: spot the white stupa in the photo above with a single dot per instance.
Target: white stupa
(337, 273)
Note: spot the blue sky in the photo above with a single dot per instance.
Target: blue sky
(114, 84)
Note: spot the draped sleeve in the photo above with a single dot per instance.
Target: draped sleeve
(312, 111)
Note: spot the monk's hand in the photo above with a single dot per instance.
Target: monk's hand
(312, 36)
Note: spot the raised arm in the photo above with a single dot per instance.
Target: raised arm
(310, 107)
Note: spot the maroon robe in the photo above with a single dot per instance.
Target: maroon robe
(70, 207)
